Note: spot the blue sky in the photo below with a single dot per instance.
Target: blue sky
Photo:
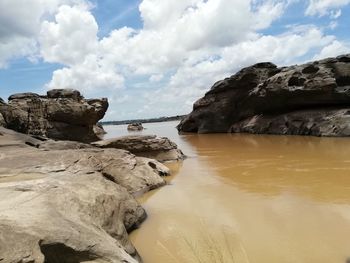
(155, 58)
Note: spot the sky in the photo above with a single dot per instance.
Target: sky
(154, 58)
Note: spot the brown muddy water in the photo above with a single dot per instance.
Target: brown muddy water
(248, 198)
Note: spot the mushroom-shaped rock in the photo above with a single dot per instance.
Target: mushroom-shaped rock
(62, 114)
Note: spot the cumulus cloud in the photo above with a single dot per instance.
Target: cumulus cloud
(325, 7)
(71, 39)
(20, 24)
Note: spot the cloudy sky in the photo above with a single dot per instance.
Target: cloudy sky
(154, 58)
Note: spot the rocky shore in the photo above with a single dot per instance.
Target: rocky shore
(310, 99)
(63, 200)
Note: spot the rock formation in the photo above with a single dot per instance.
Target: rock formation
(135, 127)
(62, 114)
(66, 202)
(309, 99)
(161, 149)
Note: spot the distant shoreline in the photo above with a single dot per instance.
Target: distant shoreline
(160, 119)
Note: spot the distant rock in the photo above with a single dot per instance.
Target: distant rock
(135, 127)
(62, 114)
(309, 99)
(159, 148)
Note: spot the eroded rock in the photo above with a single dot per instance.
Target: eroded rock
(62, 114)
(266, 99)
(151, 146)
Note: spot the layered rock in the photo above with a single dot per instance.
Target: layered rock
(135, 127)
(309, 99)
(159, 148)
(62, 114)
(69, 203)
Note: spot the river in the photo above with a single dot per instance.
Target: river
(248, 198)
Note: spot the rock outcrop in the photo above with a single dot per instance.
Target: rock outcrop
(62, 114)
(63, 202)
(159, 148)
(309, 99)
(135, 127)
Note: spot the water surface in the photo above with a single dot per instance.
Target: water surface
(248, 198)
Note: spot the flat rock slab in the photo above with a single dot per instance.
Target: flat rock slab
(150, 146)
(70, 205)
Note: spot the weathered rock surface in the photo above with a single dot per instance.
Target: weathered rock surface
(2, 120)
(159, 148)
(64, 204)
(63, 114)
(135, 127)
(309, 99)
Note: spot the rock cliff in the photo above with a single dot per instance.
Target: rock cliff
(309, 99)
(62, 114)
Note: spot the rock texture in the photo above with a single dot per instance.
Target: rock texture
(309, 99)
(135, 127)
(62, 114)
(69, 203)
(159, 148)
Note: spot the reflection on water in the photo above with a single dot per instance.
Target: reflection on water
(246, 198)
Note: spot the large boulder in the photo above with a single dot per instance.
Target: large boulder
(70, 203)
(309, 99)
(150, 146)
(62, 114)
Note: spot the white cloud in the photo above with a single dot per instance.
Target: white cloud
(71, 37)
(325, 7)
(334, 49)
(20, 24)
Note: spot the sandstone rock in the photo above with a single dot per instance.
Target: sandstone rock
(62, 114)
(2, 121)
(70, 205)
(309, 94)
(99, 131)
(135, 127)
(161, 149)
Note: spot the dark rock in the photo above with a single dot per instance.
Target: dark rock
(63, 115)
(161, 149)
(64, 93)
(21, 96)
(266, 99)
